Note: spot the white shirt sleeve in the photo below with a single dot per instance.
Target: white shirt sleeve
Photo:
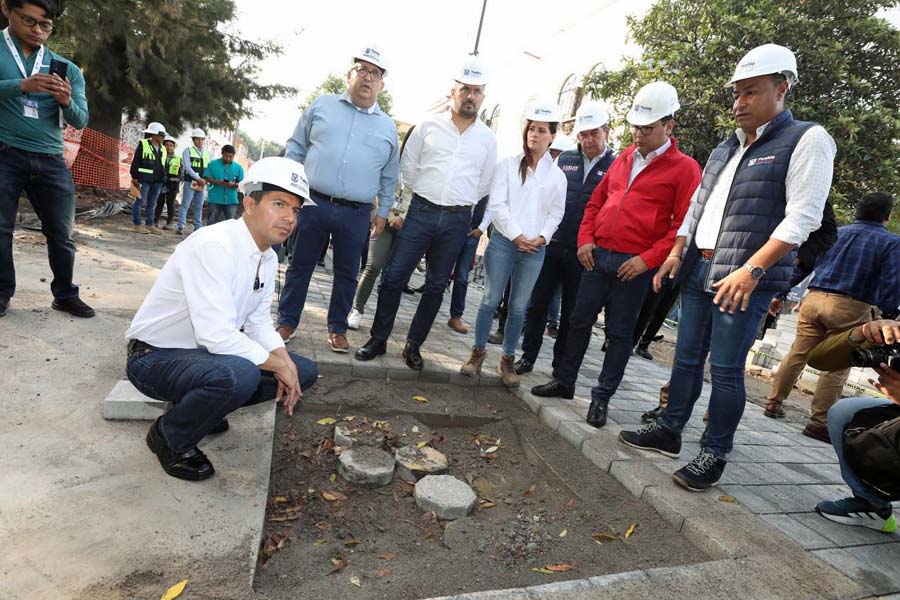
(807, 184)
(499, 202)
(409, 162)
(557, 206)
(487, 219)
(259, 326)
(689, 216)
(207, 293)
(487, 173)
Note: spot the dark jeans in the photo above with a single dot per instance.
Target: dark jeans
(561, 267)
(600, 289)
(167, 198)
(149, 194)
(426, 229)
(220, 212)
(704, 330)
(204, 388)
(348, 227)
(48, 184)
(654, 312)
(461, 272)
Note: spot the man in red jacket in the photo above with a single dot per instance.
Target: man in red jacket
(628, 230)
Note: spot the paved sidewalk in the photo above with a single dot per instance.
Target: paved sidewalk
(774, 472)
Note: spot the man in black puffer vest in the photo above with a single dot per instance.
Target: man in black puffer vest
(584, 168)
(763, 192)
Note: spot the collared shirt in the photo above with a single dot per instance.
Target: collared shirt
(807, 184)
(217, 169)
(447, 167)
(348, 152)
(864, 263)
(530, 209)
(640, 161)
(43, 134)
(590, 162)
(186, 162)
(205, 295)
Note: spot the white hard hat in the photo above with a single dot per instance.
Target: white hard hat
(767, 59)
(653, 102)
(472, 72)
(543, 110)
(371, 54)
(169, 138)
(280, 172)
(590, 115)
(198, 133)
(563, 143)
(155, 128)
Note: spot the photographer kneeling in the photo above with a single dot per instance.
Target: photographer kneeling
(865, 431)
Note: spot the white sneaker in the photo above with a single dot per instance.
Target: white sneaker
(353, 319)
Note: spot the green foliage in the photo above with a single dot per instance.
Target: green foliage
(268, 147)
(849, 62)
(179, 62)
(335, 84)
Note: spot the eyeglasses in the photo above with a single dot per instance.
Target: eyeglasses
(648, 129)
(363, 73)
(29, 22)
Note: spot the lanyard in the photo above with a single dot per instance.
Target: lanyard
(38, 61)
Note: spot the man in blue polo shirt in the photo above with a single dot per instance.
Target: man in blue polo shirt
(34, 108)
(223, 176)
(350, 151)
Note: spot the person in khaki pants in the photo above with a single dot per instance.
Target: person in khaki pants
(857, 274)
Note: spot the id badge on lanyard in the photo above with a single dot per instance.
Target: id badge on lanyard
(29, 105)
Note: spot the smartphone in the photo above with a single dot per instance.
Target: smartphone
(59, 67)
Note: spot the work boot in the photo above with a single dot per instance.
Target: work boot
(154, 230)
(651, 415)
(597, 413)
(774, 409)
(507, 371)
(413, 357)
(473, 365)
(140, 229)
(496, 338)
(457, 325)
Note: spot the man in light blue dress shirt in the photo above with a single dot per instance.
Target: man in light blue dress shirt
(350, 151)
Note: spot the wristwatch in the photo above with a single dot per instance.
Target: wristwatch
(755, 272)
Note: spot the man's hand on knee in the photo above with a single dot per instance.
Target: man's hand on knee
(285, 371)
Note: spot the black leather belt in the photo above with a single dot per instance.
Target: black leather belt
(441, 207)
(138, 346)
(333, 200)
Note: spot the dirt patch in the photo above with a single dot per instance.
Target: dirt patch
(544, 513)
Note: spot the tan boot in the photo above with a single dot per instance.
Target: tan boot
(140, 229)
(507, 371)
(457, 325)
(473, 365)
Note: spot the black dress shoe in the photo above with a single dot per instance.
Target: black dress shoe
(4, 304)
(554, 389)
(221, 427)
(597, 413)
(413, 358)
(523, 365)
(651, 415)
(73, 306)
(374, 347)
(643, 352)
(191, 465)
(408, 290)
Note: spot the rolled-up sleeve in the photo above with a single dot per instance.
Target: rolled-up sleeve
(807, 185)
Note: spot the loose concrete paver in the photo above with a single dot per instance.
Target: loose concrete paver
(367, 467)
(445, 495)
(415, 463)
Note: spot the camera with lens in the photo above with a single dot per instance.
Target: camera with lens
(874, 356)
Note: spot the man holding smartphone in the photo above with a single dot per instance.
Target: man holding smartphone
(35, 106)
(222, 177)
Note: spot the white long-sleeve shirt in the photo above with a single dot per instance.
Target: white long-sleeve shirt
(205, 295)
(447, 167)
(530, 209)
(807, 184)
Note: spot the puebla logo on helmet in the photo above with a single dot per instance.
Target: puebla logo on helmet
(641, 107)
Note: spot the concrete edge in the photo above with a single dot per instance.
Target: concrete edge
(265, 470)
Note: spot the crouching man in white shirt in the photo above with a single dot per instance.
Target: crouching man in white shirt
(204, 339)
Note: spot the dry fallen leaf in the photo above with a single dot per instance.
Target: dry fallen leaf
(488, 504)
(384, 571)
(560, 568)
(350, 418)
(279, 499)
(421, 444)
(332, 478)
(600, 537)
(630, 531)
(332, 496)
(545, 571)
(728, 499)
(174, 591)
(355, 581)
(491, 450)
(530, 490)
(420, 399)
(326, 421)
(563, 533)
(351, 543)
(318, 542)
(387, 556)
(339, 563)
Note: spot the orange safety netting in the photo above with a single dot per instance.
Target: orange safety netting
(97, 160)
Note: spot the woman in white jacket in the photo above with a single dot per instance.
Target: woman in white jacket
(528, 199)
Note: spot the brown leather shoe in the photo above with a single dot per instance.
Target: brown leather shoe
(774, 410)
(285, 332)
(338, 342)
(817, 431)
(457, 325)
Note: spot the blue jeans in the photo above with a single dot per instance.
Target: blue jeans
(704, 330)
(504, 263)
(462, 270)
(600, 289)
(349, 228)
(221, 212)
(204, 388)
(48, 184)
(149, 195)
(839, 415)
(429, 229)
(189, 198)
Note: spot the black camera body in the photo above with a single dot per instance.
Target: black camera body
(874, 356)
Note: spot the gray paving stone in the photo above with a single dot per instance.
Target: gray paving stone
(844, 535)
(576, 432)
(372, 369)
(125, 402)
(736, 535)
(448, 497)
(553, 416)
(676, 505)
(787, 498)
(366, 467)
(637, 476)
(415, 463)
(865, 565)
(797, 531)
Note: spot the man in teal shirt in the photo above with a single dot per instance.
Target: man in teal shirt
(34, 108)
(222, 176)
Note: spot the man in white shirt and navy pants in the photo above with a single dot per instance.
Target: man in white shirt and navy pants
(204, 339)
(449, 163)
(763, 192)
